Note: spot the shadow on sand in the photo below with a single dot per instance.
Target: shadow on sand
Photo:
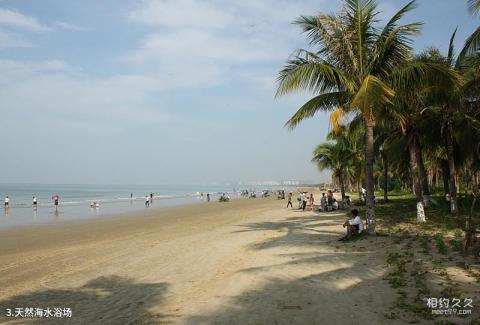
(105, 300)
(338, 296)
(341, 283)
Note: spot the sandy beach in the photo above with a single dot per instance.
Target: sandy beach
(249, 261)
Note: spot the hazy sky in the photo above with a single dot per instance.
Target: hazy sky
(154, 91)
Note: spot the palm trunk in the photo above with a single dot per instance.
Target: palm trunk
(342, 187)
(369, 179)
(451, 166)
(359, 190)
(422, 173)
(445, 177)
(417, 184)
(385, 176)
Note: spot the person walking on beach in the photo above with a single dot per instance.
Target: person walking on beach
(7, 202)
(34, 202)
(208, 197)
(147, 201)
(151, 198)
(311, 201)
(289, 203)
(131, 196)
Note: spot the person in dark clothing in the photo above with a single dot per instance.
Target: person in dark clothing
(290, 200)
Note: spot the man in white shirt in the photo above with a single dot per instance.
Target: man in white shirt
(304, 201)
(354, 225)
(7, 202)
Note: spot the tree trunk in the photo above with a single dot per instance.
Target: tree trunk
(342, 185)
(359, 189)
(451, 166)
(417, 184)
(421, 172)
(445, 177)
(385, 176)
(369, 179)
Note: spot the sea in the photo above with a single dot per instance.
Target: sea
(109, 200)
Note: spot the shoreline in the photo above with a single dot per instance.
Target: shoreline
(247, 261)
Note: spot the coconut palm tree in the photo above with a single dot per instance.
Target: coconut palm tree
(351, 70)
(338, 156)
(328, 155)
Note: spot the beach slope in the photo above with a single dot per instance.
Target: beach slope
(248, 261)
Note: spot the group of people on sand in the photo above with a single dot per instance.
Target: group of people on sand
(327, 202)
(303, 199)
(354, 224)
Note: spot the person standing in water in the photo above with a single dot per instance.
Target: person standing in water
(290, 200)
(147, 201)
(34, 202)
(131, 196)
(7, 202)
(208, 197)
(55, 202)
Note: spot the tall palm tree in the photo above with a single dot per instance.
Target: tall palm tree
(351, 70)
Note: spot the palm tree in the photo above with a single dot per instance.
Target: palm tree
(334, 156)
(351, 70)
(329, 156)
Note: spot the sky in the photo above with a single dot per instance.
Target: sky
(165, 91)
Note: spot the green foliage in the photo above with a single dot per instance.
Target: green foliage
(441, 247)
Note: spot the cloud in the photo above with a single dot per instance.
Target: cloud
(52, 90)
(205, 43)
(9, 39)
(15, 19)
(69, 26)
(179, 14)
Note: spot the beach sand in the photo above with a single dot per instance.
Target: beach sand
(249, 261)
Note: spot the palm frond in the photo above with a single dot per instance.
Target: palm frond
(309, 73)
(336, 119)
(474, 6)
(325, 102)
(472, 45)
(373, 92)
(451, 48)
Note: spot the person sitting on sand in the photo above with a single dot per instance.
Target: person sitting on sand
(334, 204)
(354, 226)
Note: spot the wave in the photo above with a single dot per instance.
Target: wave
(89, 200)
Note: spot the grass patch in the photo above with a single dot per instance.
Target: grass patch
(425, 244)
(440, 244)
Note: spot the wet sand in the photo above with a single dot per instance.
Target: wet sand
(249, 261)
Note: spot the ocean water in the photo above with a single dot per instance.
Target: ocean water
(75, 200)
